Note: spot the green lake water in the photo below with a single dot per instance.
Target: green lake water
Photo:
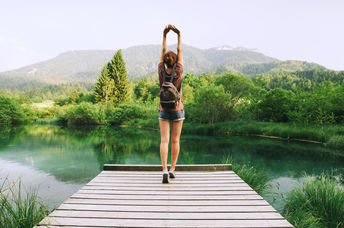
(58, 160)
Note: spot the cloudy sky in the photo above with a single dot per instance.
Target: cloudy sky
(308, 30)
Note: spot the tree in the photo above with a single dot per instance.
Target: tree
(276, 105)
(237, 85)
(74, 97)
(118, 74)
(104, 87)
(10, 111)
(146, 91)
(210, 105)
(112, 84)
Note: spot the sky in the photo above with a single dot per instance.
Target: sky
(306, 30)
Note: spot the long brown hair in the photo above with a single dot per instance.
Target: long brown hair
(170, 58)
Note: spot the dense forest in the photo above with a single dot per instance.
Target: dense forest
(315, 96)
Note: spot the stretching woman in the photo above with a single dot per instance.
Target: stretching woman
(174, 70)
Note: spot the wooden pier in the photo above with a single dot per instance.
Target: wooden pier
(133, 196)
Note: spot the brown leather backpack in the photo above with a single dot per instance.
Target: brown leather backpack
(169, 95)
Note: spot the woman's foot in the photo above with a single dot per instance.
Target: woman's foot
(165, 177)
(171, 173)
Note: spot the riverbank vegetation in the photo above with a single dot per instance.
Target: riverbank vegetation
(255, 178)
(318, 202)
(20, 208)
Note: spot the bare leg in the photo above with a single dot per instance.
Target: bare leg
(165, 137)
(176, 130)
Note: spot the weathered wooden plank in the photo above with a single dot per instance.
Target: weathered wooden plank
(168, 197)
(175, 184)
(165, 215)
(166, 188)
(181, 186)
(104, 172)
(162, 223)
(168, 202)
(181, 174)
(176, 181)
(138, 178)
(206, 167)
(187, 209)
(205, 193)
(177, 174)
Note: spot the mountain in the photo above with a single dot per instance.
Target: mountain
(85, 65)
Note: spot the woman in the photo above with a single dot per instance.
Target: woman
(171, 65)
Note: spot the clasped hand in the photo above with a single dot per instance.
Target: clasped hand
(171, 27)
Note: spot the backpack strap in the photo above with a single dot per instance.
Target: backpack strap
(163, 74)
(174, 69)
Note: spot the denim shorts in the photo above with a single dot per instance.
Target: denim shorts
(171, 116)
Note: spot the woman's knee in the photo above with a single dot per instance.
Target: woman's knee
(175, 140)
(164, 140)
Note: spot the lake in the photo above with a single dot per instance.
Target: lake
(59, 160)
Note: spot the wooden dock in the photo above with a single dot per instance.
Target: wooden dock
(133, 196)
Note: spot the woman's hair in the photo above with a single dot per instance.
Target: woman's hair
(170, 58)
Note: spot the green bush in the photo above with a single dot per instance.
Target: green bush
(336, 141)
(211, 104)
(324, 104)
(86, 97)
(275, 105)
(146, 91)
(319, 202)
(10, 111)
(84, 113)
(130, 112)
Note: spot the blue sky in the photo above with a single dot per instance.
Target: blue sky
(33, 31)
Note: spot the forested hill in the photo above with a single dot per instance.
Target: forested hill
(84, 66)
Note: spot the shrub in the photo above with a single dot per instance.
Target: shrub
(336, 141)
(130, 112)
(319, 202)
(211, 104)
(10, 111)
(275, 105)
(84, 113)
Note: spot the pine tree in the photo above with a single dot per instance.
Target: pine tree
(112, 84)
(118, 74)
(104, 88)
(73, 98)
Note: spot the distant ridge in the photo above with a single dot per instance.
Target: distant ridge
(85, 65)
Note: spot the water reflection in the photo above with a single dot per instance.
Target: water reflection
(74, 155)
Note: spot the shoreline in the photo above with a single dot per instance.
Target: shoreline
(322, 135)
(330, 136)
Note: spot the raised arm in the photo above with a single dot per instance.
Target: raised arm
(179, 46)
(163, 52)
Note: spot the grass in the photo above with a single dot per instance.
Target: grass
(336, 141)
(19, 211)
(146, 115)
(319, 202)
(256, 179)
(329, 135)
